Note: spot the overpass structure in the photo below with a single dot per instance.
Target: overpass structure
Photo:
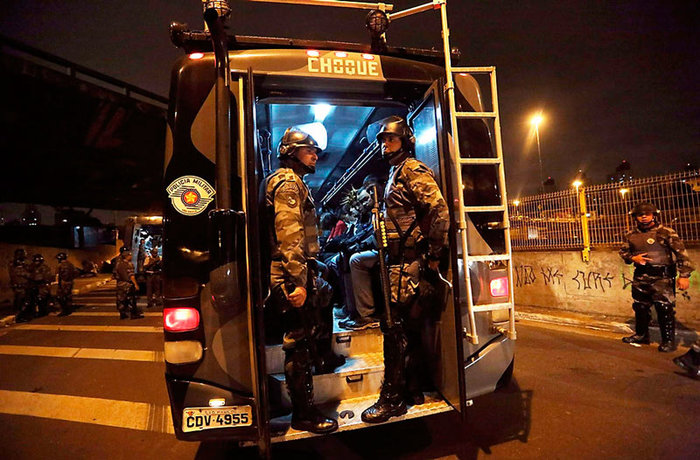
(71, 136)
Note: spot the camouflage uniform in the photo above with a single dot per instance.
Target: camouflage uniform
(64, 294)
(294, 244)
(19, 280)
(417, 221)
(40, 291)
(654, 282)
(154, 280)
(126, 291)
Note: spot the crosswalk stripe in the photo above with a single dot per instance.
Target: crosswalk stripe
(81, 409)
(112, 314)
(87, 353)
(73, 328)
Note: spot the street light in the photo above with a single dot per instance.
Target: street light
(535, 122)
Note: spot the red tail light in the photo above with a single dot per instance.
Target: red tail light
(499, 287)
(180, 319)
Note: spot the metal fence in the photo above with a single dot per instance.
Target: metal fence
(596, 216)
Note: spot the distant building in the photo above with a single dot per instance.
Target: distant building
(623, 173)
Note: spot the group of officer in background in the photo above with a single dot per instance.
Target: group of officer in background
(31, 283)
(128, 286)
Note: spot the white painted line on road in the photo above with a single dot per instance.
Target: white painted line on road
(95, 411)
(114, 314)
(88, 353)
(70, 328)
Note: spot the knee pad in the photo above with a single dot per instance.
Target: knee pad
(639, 307)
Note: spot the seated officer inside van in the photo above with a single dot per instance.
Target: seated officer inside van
(295, 285)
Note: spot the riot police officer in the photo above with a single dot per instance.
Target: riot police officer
(19, 278)
(154, 280)
(295, 287)
(65, 273)
(126, 286)
(417, 222)
(40, 281)
(658, 255)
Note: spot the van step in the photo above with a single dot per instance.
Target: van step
(346, 343)
(360, 376)
(348, 413)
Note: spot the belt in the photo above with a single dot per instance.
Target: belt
(656, 270)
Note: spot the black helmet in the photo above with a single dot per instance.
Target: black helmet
(20, 254)
(397, 126)
(643, 208)
(38, 258)
(294, 138)
(61, 256)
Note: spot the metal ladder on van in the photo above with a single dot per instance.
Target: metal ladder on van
(458, 162)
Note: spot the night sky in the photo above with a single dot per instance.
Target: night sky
(614, 79)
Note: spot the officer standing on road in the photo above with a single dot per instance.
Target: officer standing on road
(65, 274)
(417, 221)
(126, 286)
(294, 284)
(658, 254)
(40, 292)
(19, 278)
(154, 280)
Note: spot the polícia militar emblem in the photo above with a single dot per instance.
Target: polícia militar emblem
(190, 195)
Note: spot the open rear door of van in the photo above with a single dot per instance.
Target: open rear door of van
(443, 338)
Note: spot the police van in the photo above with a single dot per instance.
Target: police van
(232, 97)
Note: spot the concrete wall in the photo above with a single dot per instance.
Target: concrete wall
(75, 256)
(560, 280)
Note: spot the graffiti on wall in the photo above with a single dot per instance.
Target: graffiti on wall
(580, 280)
(524, 275)
(592, 280)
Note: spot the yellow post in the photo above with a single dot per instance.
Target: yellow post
(586, 252)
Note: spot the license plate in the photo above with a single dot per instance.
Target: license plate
(206, 418)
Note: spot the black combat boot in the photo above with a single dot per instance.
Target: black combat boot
(391, 398)
(642, 316)
(667, 325)
(390, 404)
(690, 362)
(297, 372)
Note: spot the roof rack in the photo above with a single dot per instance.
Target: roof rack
(200, 41)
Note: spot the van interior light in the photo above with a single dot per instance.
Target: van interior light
(195, 56)
(321, 111)
(426, 137)
(180, 319)
(499, 287)
(317, 131)
(312, 53)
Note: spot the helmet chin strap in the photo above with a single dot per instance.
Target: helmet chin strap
(393, 157)
(305, 168)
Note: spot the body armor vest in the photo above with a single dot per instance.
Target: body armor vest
(399, 209)
(654, 243)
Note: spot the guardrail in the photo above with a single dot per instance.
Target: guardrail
(597, 215)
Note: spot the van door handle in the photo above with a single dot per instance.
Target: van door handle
(343, 339)
(354, 378)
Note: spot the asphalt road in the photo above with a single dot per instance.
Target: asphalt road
(91, 386)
